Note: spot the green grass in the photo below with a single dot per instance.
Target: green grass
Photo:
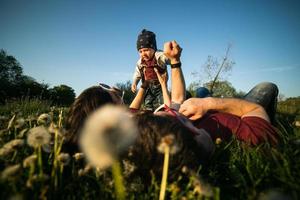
(236, 171)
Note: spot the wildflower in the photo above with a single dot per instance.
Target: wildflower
(11, 146)
(218, 141)
(30, 160)
(184, 170)
(85, 170)
(64, 158)
(201, 188)
(169, 141)
(10, 171)
(78, 156)
(107, 132)
(44, 119)
(128, 168)
(38, 136)
(19, 123)
(167, 146)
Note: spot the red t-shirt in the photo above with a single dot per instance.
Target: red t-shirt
(253, 130)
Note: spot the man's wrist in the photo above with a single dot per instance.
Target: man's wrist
(177, 65)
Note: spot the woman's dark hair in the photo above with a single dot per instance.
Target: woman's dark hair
(144, 152)
(87, 102)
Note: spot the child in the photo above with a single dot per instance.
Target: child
(150, 58)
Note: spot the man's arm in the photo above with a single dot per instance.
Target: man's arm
(173, 52)
(195, 108)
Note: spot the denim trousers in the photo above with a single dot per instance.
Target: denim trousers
(264, 94)
(153, 97)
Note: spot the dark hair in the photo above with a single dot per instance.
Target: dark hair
(87, 102)
(144, 152)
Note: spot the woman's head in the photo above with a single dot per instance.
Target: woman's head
(87, 102)
(153, 130)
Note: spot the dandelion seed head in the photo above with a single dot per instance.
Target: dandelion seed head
(44, 119)
(168, 140)
(218, 141)
(38, 136)
(108, 132)
(128, 168)
(19, 123)
(64, 158)
(78, 156)
(85, 170)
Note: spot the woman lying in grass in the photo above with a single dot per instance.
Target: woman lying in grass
(193, 141)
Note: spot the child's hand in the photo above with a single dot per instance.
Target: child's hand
(133, 88)
(172, 51)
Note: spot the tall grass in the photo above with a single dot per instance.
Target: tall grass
(236, 171)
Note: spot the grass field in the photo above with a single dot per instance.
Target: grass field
(236, 171)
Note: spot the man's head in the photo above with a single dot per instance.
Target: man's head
(146, 44)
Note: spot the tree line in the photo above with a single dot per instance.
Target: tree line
(16, 85)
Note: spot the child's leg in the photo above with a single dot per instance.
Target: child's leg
(149, 99)
(264, 94)
(158, 96)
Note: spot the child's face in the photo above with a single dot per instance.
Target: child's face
(146, 54)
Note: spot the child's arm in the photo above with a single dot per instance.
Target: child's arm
(136, 78)
(138, 99)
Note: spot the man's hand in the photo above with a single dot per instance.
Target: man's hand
(194, 108)
(133, 88)
(172, 51)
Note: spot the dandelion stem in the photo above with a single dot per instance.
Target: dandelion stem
(119, 187)
(40, 162)
(165, 174)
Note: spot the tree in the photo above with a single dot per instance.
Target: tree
(62, 95)
(214, 71)
(10, 75)
(222, 89)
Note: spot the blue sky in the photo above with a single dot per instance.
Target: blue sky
(82, 43)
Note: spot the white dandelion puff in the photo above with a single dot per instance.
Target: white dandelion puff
(64, 158)
(19, 123)
(38, 136)
(10, 171)
(11, 146)
(44, 119)
(29, 161)
(168, 140)
(85, 170)
(107, 132)
(78, 156)
(202, 188)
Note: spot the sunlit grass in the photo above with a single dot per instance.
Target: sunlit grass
(236, 171)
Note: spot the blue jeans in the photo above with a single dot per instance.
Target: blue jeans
(264, 94)
(153, 97)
